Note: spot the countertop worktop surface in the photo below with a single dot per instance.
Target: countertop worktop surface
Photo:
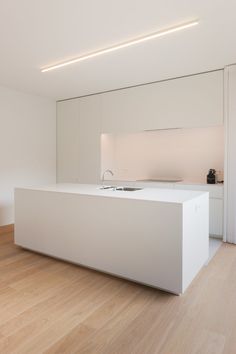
(162, 182)
(149, 194)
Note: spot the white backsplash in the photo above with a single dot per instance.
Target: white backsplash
(186, 153)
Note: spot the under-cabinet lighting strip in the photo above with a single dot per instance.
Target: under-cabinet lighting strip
(138, 40)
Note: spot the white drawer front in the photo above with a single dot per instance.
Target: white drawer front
(216, 217)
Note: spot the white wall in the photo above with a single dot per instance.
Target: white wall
(27, 145)
(186, 153)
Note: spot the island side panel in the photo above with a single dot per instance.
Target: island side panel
(136, 239)
(195, 237)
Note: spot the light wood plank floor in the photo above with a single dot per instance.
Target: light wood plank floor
(48, 306)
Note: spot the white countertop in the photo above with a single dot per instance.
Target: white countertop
(161, 195)
(153, 182)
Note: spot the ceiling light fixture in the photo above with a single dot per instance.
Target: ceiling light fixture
(138, 40)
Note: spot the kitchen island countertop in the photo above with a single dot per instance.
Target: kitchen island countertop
(150, 194)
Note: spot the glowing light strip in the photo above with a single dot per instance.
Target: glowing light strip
(123, 45)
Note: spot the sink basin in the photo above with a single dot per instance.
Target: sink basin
(128, 189)
(123, 189)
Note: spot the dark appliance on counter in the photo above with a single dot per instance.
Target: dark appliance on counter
(211, 177)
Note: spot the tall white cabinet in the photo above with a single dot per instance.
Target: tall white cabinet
(67, 141)
(89, 139)
(78, 140)
(230, 153)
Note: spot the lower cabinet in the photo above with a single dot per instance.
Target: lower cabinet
(216, 217)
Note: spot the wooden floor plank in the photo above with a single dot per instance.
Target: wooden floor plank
(53, 307)
(85, 331)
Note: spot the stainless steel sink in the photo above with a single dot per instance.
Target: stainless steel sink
(128, 189)
(123, 189)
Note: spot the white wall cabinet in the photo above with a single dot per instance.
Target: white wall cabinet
(78, 140)
(123, 110)
(193, 101)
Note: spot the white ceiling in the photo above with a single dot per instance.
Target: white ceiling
(38, 33)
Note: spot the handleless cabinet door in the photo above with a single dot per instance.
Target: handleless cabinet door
(188, 102)
(193, 101)
(78, 140)
(230, 156)
(122, 111)
(216, 217)
(89, 139)
(67, 141)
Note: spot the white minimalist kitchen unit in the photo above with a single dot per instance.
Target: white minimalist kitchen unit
(196, 102)
(158, 237)
(188, 102)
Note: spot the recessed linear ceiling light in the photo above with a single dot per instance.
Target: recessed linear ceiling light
(148, 37)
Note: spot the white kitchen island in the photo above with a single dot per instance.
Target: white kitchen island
(158, 237)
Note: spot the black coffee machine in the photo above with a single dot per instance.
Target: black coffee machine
(211, 177)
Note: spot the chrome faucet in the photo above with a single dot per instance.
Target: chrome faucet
(103, 176)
